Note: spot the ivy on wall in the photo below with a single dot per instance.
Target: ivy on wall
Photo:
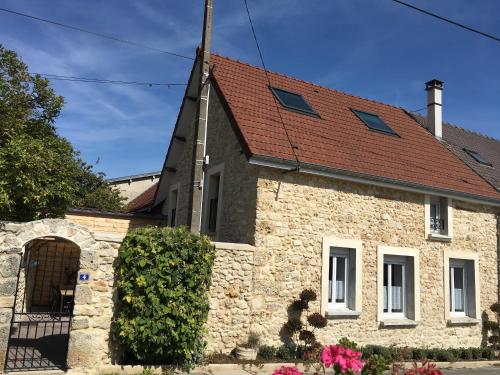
(163, 278)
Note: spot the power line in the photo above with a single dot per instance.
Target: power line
(75, 28)
(269, 80)
(468, 28)
(100, 80)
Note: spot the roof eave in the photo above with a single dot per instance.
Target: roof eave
(345, 175)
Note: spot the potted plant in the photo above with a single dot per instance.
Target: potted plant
(248, 350)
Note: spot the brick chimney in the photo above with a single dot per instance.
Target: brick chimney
(434, 90)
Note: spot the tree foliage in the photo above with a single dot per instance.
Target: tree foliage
(41, 175)
(163, 280)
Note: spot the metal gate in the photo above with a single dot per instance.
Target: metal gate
(43, 308)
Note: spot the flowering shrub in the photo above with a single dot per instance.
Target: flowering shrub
(344, 360)
(426, 369)
(287, 370)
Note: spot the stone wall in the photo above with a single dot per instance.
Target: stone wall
(291, 224)
(230, 297)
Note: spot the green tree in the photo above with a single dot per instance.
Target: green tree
(41, 174)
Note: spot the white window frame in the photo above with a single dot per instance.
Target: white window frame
(391, 261)
(355, 308)
(173, 188)
(336, 253)
(405, 319)
(473, 316)
(216, 170)
(458, 263)
(432, 235)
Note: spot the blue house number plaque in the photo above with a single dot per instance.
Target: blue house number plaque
(84, 277)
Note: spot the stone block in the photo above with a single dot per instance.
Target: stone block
(5, 316)
(8, 287)
(7, 301)
(9, 265)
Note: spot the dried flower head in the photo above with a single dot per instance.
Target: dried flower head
(299, 305)
(308, 295)
(307, 336)
(317, 320)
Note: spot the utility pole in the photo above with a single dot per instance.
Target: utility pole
(197, 173)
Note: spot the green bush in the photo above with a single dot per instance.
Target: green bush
(382, 351)
(445, 355)
(465, 354)
(419, 354)
(346, 343)
(477, 353)
(285, 353)
(163, 277)
(431, 354)
(488, 353)
(376, 365)
(267, 352)
(367, 351)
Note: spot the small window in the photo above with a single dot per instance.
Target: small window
(338, 279)
(462, 289)
(395, 280)
(293, 101)
(213, 203)
(439, 215)
(374, 122)
(172, 212)
(212, 200)
(478, 157)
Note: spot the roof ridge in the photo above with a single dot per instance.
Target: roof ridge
(308, 82)
(472, 131)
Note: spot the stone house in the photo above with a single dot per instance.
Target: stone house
(131, 187)
(315, 188)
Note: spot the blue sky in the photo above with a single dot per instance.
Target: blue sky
(375, 49)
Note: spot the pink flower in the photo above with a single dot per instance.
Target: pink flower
(287, 370)
(344, 358)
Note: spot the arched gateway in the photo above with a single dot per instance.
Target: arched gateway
(40, 265)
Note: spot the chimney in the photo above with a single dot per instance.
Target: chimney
(434, 90)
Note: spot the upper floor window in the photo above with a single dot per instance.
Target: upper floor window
(438, 219)
(212, 201)
(172, 205)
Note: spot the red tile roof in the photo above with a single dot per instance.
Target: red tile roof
(143, 200)
(338, 139)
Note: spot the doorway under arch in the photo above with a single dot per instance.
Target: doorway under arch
(43, 307)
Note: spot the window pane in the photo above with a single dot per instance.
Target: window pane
(458, 288)
(386, 267)
(340, 280)
(330, 276)
(397, 288)
(374, 122)
(292, 100)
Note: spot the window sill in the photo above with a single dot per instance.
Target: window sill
(343, 313)
(439, 237)
(399, 323)
(462, 320)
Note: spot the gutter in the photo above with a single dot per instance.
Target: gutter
(361, 178)
(119, 214)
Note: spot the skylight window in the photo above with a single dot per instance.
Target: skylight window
(374, 122)
(293, 101)
(477, 156)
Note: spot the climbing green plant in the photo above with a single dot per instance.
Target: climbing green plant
(163, 278)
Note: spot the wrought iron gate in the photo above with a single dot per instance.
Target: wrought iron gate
(43, 307)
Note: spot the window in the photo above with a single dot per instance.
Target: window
(478, 157)
(457, 288)
(394, 286)
(341, 277)
(438, 218)
(461, 283)
(398, 286)
(293, 101)
(172, 205)
(374, 122)
(212, 199)
(337, 278)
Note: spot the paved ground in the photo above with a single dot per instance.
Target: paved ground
(490, 370)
